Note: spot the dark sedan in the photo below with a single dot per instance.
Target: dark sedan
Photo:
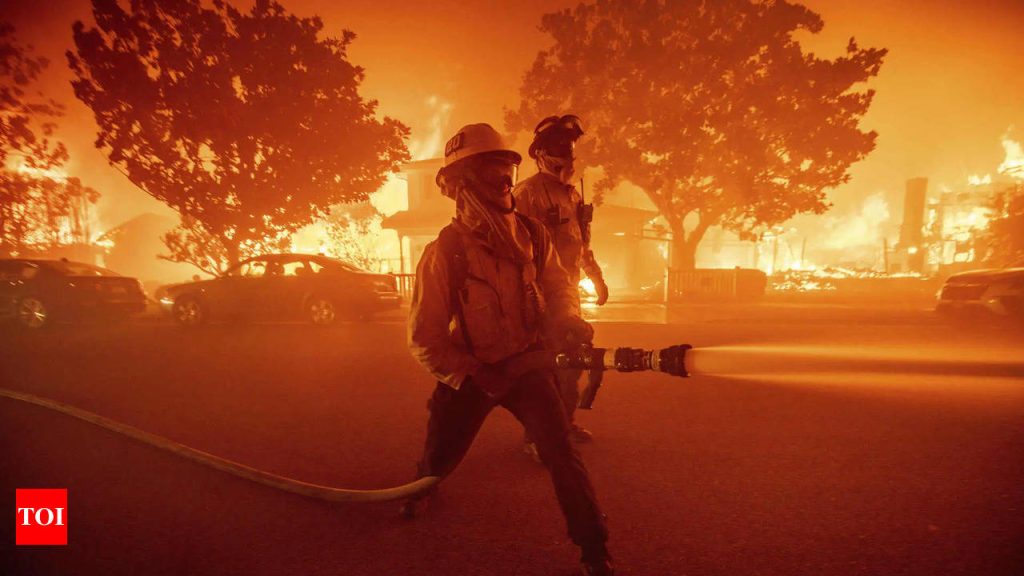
(317, 289)
(999, 291)
(35, 292)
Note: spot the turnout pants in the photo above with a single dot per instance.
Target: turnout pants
(569, 390)
(457, 415)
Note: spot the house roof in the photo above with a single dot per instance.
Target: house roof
(410, 223)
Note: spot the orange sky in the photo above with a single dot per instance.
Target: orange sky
(951, 87)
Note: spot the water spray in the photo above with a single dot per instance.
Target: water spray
(752, 360)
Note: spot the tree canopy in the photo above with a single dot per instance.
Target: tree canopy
(26, 116)
(249, 124)
(712, 108)
(37, 210)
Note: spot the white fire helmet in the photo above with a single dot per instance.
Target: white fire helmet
(474, 140)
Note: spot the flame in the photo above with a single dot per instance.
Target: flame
(381, 245)
(825, 278)
(69, 230)
(1013, 163)
(19, 166)
(311, 239)
(961, 223)
(587, 287)
(392, 197)
(588, 293)
(976, 180)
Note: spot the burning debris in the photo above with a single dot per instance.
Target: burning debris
(827, 278)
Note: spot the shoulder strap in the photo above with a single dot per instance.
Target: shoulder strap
(540, 244)
(454, 251)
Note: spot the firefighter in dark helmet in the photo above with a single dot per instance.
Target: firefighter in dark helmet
(550, 197)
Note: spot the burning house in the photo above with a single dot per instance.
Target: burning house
(630, 248)
(427, 212)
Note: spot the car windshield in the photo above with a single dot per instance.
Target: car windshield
(69, 268)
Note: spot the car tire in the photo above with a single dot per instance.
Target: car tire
(189, 312)
(32, 313)
(321, 310)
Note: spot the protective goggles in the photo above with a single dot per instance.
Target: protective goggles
(570, 123)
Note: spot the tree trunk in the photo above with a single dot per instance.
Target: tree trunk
(232, 249)
(684, 254)
(684, 247)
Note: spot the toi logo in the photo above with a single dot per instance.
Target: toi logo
(42, 517)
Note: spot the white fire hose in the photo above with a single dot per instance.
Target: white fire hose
(622, 359)
(328, 493)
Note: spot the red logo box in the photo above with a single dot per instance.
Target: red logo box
(41, 517)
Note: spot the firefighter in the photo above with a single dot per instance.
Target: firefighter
(491, 287)
(550, 197)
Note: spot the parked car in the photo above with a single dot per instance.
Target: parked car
(35, 293)
(999, 291)
(317, 289)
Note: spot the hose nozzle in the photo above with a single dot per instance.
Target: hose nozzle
(671, 360)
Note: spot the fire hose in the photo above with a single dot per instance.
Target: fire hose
(670, 360)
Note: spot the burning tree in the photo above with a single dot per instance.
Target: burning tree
(712, 108)
(1005, 233)
(39, 213)
(39, 207)
(249, 124)
(353, 232)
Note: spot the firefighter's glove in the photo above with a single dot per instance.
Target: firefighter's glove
(491, 379)
(569, 332)
(602, 290)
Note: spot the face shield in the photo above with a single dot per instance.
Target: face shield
(498, 173)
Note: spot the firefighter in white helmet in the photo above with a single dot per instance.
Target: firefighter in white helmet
(486, 290)
(550, 197)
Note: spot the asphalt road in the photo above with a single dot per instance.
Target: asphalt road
(858, 467)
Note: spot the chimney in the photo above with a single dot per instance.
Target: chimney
(912, 230)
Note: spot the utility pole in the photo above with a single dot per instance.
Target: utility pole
(885, 255)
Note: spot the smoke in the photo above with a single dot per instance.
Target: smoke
(429, 146)
(866, 227)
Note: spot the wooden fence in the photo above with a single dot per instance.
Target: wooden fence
(715, 283)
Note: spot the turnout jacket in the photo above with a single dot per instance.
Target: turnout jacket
(535, 197)
(494, 304)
